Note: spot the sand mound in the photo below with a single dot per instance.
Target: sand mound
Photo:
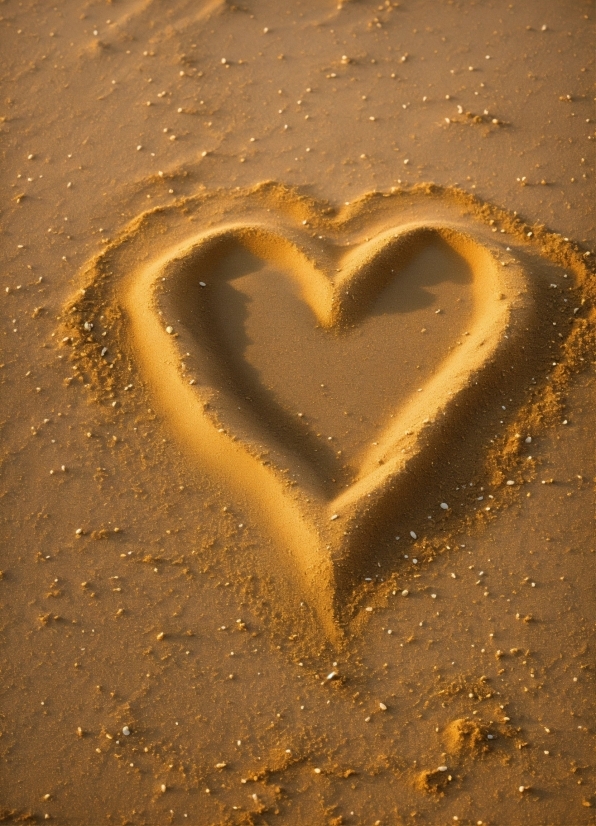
(333, 368)
(432, 782)
(465, 736)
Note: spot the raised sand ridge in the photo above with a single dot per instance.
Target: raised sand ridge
(284, 352)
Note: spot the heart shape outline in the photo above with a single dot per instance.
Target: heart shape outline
(324, 535)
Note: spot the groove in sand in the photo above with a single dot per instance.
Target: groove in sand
(323, 507)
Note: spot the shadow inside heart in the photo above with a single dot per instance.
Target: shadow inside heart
(326, 392)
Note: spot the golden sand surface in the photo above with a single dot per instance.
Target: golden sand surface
(297, 413)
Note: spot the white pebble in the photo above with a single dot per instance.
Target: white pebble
(405, 592)
(445, 506)
(510, 482)
(382, 706)
(126, 731)
(413, 535)
(169, 330)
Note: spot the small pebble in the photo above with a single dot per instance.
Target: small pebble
(126, 731)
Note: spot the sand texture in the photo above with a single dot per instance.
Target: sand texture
(298, 413)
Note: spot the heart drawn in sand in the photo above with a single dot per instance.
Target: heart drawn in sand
(320, 376)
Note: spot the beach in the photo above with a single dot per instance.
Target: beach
(297, 413)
